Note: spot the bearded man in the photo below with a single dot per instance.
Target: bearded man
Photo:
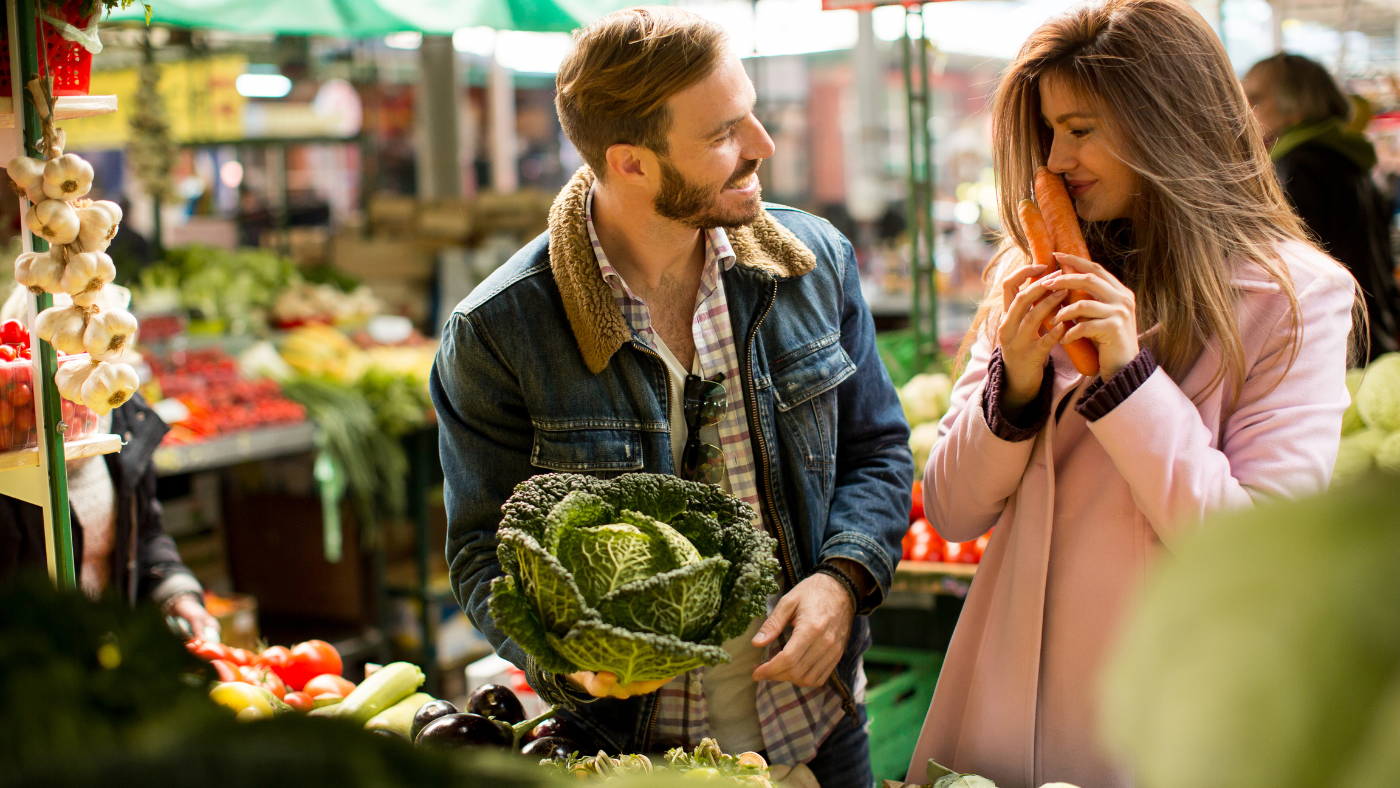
(663, 278)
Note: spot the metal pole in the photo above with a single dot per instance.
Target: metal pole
(933, 349)
(912, 200)
(24, 66)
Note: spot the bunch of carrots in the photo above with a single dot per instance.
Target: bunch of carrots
(1051, 226)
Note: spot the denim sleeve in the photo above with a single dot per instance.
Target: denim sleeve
(485, 440)
(874, 467)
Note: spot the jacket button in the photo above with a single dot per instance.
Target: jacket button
(126, 437)
(140, 416)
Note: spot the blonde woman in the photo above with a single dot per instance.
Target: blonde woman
(1222, 335)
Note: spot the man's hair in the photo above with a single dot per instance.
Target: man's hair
(1304, 87)
(613, 86)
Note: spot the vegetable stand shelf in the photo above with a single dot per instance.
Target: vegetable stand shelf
(26, 480)
(931, 577)
(235, 448)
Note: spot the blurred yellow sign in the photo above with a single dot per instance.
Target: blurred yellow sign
(201, 104)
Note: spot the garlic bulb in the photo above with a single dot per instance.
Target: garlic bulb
(38, 271)
(108, 386)
(70, 379)
(28, 175)
(108, 334)
(97, 225)
(87, 272)
(62, 327)
(67, 177)
(53, 220)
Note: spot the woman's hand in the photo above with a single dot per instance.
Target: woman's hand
(1109, 320)
(1023, 347)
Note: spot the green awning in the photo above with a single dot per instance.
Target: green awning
(367, 18)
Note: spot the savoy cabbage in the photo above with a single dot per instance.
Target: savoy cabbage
(644, 575)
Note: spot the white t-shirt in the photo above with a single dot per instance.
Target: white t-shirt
(729, 689)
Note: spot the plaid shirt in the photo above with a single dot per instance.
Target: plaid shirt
(794, 720)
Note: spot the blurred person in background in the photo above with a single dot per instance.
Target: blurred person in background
(1324, 164)
(119, 543)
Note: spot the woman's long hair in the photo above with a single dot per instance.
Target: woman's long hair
(1175, 113)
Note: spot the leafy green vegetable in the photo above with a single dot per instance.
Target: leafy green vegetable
(234, 288)
(374, 462)
(1378, 397)
(644, 576)
(1266, 651)
(400, 402)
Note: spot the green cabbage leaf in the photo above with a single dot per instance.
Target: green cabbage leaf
(644, 575)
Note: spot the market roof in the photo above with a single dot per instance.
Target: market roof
(364, 18)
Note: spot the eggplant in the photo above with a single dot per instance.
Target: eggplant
(388, 734)
(454, 731)
(555, 747)
(493, 700)
(557, 727)
(427, 713)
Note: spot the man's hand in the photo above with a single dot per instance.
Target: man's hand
(820, 611)
(604, 685)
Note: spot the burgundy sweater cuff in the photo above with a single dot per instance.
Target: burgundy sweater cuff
(1102, 396)
(1028, 423)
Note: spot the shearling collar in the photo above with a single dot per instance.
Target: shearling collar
(598, 323)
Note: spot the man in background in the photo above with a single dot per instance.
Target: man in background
(1325, 168)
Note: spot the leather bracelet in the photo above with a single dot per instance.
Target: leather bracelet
(842, 578)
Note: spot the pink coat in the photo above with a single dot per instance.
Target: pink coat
(1082, 510)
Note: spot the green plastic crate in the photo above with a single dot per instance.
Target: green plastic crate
(897, 697)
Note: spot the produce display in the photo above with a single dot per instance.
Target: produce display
(940, 776)
(705, 763)
(308, 302)
(78, 231)
(644, 576)
(922, 543)
(216, 397)
(225, 291)
(1371, 425)
(924, 399)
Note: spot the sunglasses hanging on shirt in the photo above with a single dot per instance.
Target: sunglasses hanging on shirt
(705, 403)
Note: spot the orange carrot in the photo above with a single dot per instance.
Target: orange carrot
(1037, 234)
(1063, 226)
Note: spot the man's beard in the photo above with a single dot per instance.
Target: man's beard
(696, 205)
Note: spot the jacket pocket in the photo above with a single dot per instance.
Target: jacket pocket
(803, 391)
(575, 450)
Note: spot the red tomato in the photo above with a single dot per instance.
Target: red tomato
(329, 683)
(299, 701)
(24, 352)
(309, 660)
(227, 670)
(275, 659)
(262, 677)
(916, 511)
(24, 420)
(210, 651)
(7, 413)
(8, 353)
(961, 553)
(21, 395)
(980, 546)
(242, 657)
(928, 550)
(12, 333)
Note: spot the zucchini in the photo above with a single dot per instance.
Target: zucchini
(389, 685)
(398, 717)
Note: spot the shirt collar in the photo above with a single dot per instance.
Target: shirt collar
(718, 250)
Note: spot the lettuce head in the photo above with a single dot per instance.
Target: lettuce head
(1266, 651)
(644, 575)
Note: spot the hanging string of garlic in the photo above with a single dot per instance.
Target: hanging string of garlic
(79, 231)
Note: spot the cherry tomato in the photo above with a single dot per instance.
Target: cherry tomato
(275, 659)
(227, 671)
(21, 396)
(24, 420)
(12, 332)
(24, 352)
(329, 683)
(299, 701)
(7, 413)
(262, 677)
(210, 651)
(309, 660)
(8, 353)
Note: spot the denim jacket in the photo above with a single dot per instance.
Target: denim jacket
(539, 372)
